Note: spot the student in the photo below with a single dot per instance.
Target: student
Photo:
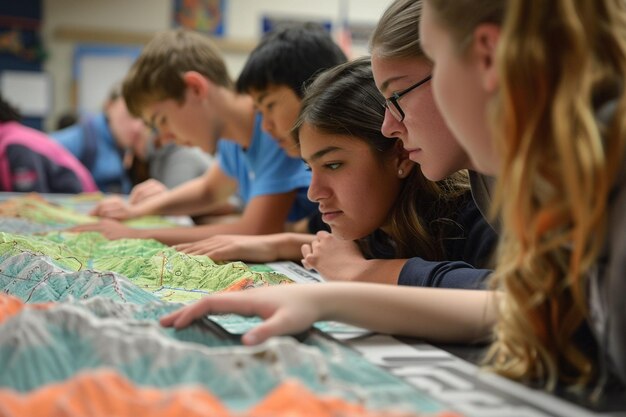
(32, 162)
(103, 143)
(556, 140)
(158, 165)
(180, 86)
(274, 76)
(371, 193)
(399, 63)
(278, 70)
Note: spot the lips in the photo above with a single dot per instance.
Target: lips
(413, 153)
(330, 215)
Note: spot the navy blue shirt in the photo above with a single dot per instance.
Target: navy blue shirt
(468, 245)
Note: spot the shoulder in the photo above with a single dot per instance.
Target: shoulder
(14, 133)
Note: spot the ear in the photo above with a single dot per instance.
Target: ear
(403, 165)
(197, 83)
(484, 46)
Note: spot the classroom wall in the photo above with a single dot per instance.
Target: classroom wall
(69, 23)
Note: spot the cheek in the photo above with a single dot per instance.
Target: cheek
(451, 101)
(286, 119)
(377, 193)
(441, 91)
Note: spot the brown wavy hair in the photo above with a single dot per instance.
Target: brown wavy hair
(558, 163)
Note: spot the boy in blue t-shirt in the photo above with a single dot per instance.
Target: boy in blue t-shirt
(275, 76)
(179, 85)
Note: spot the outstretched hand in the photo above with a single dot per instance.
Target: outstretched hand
(146, 190)
(232, 247)
(113, 208)
(111, 229)
(286, 309)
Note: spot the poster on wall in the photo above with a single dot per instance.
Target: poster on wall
(206, 16)
(271, 23)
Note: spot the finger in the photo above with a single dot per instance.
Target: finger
(135, 197)
(315, 245)
(305, 249)
(322, 234)
(184, 249)
(168, 320)
(196, 251)
(278, 324)
(142, 194)
(214, 304)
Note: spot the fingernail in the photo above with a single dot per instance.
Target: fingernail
(249, 339)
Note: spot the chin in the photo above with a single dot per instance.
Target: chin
(341, 234)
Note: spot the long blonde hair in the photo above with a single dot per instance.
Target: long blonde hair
(556, 58)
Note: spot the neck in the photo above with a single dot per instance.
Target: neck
(239, 118)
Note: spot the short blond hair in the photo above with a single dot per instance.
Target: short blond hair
(158, 72)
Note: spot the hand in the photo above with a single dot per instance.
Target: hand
(114, 208)
(233, 247)
(111, 229)
(146, 190)
(334, 258)
(286, 309)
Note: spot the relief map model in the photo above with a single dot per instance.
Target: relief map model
(79, 334)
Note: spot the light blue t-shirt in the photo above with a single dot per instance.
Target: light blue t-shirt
(91, 139)
(264, 168)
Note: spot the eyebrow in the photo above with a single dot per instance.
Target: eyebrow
(317, 155)
(386, 83)
(262, 97)
(153, 118)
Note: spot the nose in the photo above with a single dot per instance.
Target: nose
(317, 189)
(163, 132)
(138, 127)
(267, 124)
(391, 127)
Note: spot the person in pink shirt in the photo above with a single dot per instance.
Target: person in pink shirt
(32, 162)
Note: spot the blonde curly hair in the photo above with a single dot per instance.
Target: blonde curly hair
(557, 60)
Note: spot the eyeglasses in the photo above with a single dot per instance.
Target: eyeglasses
(391, 103)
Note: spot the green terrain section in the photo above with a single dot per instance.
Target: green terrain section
(152, 266)
(47, 213)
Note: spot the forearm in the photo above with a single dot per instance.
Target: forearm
(178, 235)
(189, 198)
(383, 271)
(288, 245)
(442, 315)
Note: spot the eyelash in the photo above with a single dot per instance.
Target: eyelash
(333, 166)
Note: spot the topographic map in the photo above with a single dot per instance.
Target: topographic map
(79, 336)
